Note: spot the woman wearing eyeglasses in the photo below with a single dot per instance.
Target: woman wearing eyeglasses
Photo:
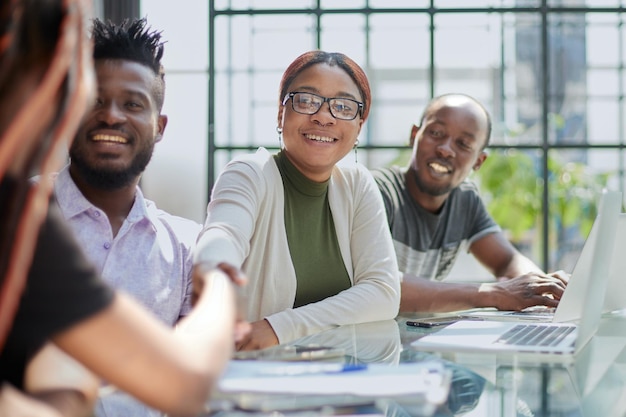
(311, 236)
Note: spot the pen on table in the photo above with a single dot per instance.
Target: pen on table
(312, 369)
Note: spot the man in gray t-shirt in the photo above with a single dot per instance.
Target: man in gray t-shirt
(434, 211)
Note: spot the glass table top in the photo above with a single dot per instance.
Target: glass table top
(479, 384)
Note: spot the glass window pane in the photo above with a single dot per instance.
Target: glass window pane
(262, 4)
(231, 50)
(620, 121)
(522, 110)
(345, 33)
(504, 77)
(245, 42)
(510, 186)
(176, 177)
(617, 181)
(234, 95)
(185, 34)
(459, 65)
(576, 182)
(272, 30)
(602, 82)
(413, 31)
(568, 79)
(391, 120)
(343, 4)
(374, 158)
(400, 81)
(588, 3)
(252, 98)
(248, 71)
(604, 121)
(602, 37)
(456, 4)
(384, 4)
(458, 36)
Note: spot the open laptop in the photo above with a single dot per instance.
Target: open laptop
(570, 307)
(615, 298)
(564, 340)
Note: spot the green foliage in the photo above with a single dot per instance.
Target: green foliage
(512, 186)
(509, 186)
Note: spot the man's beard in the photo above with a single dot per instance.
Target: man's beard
(434, 191)
(110, 179)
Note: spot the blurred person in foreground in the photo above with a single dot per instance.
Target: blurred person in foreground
(48, 290)
(434, 212)
(136, 247)
(310, 234)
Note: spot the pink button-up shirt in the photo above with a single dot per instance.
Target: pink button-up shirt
(151, 256)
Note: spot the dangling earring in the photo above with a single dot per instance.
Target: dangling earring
(279, 130)
(356, 157)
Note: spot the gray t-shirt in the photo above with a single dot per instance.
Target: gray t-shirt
(427, 244)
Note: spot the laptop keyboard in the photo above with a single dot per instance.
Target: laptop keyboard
(535, 335)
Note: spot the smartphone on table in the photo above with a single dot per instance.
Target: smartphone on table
(428, 322)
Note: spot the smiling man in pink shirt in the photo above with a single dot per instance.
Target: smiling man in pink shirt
(136, 247)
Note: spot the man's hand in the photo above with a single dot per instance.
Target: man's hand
(528, 290)
(261, 336)
(200, 274)
(561, 275)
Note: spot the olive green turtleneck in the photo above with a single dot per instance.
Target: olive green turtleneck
(315, 254)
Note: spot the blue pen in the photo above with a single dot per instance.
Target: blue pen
(312, 369)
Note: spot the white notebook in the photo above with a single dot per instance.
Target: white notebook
(592, 270)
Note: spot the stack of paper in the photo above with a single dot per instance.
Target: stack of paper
(282, 384)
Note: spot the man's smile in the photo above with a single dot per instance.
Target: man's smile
(109, 138)
(440, 168)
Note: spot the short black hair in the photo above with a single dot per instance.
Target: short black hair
(131, 40)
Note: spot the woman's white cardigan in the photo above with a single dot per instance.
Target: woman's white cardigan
(245, 227)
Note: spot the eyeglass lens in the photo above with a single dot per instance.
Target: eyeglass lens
(309, 103)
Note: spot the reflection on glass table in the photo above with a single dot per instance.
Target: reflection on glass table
(375, 342)
(413, 389)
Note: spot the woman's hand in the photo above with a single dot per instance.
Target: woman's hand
(261, 336)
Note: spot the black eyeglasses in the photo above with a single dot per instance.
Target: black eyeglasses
(309, 103)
